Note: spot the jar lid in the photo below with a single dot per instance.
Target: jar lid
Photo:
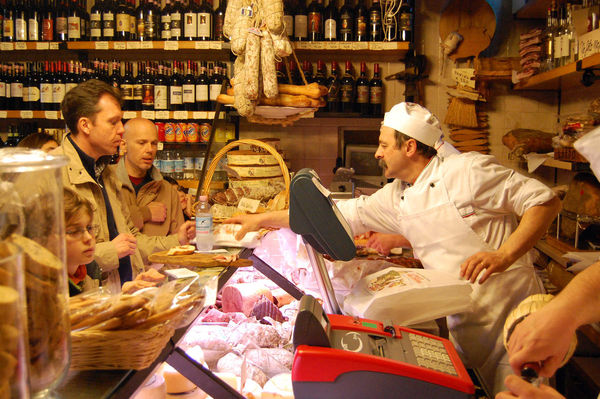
(27, 160)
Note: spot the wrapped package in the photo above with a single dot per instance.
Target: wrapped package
(408, 296)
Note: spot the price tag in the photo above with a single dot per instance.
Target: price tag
(360, 46)
(53, 45)
(389, 46)
(160, 146)
(20, 46)
(180, 115)
(318, 45)
(148, 115)
(146, 45)
(133, 45)
(171, 45)
(26, 114)
(120, 45)
(301, 45)
(248, 205)
(129, 114)
(464, 76)
(162, 114)
(202, 45)
(51, 114)
(333, 46)
(101, 45)
(216, 45)
(3, 114)
(6, 46)
(346, 46)
(589, 43)
(198, 115)
(42, 46)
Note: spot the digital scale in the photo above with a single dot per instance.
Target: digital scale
(340, 356)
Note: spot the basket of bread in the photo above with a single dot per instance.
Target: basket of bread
(257, 33)
(129, 330)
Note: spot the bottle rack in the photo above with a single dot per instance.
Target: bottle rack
(152, 115)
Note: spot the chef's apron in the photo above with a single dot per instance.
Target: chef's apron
(442, 240)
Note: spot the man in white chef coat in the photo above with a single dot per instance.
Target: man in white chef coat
(459, 214)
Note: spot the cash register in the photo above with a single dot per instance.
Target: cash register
(341, 356)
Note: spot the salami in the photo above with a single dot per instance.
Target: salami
(240, 31)
(252, 65)
(267, 66)
(233, 10)
(273, 15)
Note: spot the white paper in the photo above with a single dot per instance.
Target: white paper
(535, 160)
(584, 259)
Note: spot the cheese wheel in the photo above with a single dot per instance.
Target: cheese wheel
(245, 157)
(257, 171)
(279, 387)
(251, 390)
(175, 382)
(257, 182)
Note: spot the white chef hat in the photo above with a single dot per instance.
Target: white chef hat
(415, 121)
(588, 147)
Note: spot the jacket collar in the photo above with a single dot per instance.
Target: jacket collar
(75, 170)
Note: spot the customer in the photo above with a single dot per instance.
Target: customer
(83, 271)
(186, 199)
(92, 112)
(153, 202)
(43, 141)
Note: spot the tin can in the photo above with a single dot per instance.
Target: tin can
(170, 132)
(191, 133)
(160, 129)
(180, 132)
(204, 132)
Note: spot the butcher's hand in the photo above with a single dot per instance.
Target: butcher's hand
(518, 388)
(383, 243)
(249, 222)
(125, 244)
(158, 211)
(486, 262)
(543, 337)
(186, 232)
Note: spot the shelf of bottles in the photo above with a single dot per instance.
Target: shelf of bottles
(152, 115)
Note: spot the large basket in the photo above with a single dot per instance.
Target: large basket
(118, 349)
(270, 149)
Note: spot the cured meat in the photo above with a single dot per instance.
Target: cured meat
(211, 338)
(232, 363)
(524, 141)
(266, 308)
(272, 361)
(249, 333)
(243, 297)
(216, 316)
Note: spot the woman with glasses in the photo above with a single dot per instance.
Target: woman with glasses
(84, 273)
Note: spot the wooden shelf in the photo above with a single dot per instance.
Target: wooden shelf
(551, 80)
(152, 115)
(565, 165)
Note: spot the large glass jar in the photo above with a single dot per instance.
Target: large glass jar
(32, 217)
(13, 324)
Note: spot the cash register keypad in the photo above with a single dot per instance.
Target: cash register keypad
(432, 354)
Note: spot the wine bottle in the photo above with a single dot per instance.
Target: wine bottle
(281, 76)
(161, 90)
(165, 21)
(127, 88)
(204, 20)
(138, 92)
(214, 86)
(16, 87)
(20, 22)
(315, 20)
(202, 103)
(407, 16)
(376, 93)
(375, 32)
(333, 93)
(176, 89)
(46, 88)
(74, 22)
(140, 22)
(189, 89)
(62, 21)
(34, 20)
(301, 22)
(150, 21)
(190, 22)
(347, 89)
(331, 21)
(71, 80)
(133, 34)
(48, 21)
(362, 91)
(115, 76)
(147, 89)
(346, 27)
(108, 20)
(2, 86)
(96, 21)
(320, 77)
(7, 81)
(361, 22)
(122, 21)
(307, 70)
(8, 22)
(34, 87)
(58, 86)
(288, 19)
(176, 15)
(219, 20)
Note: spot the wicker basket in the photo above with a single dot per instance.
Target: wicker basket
(213, 165)
(119, 349)
(568, 154)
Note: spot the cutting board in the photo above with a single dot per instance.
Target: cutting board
(195, 260)
(474, 20)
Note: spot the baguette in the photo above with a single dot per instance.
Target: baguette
(286, 100)
(312, 90)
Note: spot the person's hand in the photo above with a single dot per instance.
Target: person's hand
(125, 244)
(542, 337)
(383, 243)
(188, 208)
(158, 211)
(491, 262)
(186, 232)
(249, 222)
(522, 389)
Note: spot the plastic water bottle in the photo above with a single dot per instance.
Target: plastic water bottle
(204, 228)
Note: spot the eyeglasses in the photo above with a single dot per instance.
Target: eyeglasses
(77, 234)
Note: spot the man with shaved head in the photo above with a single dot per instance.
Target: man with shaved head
(153, 202)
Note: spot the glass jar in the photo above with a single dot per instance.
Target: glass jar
(13, 328)
(32, 217)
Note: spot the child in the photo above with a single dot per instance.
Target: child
(84, 273)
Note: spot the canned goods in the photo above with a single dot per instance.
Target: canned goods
(180, 132)
(204, 132)
(160, 129)
(170, 132)
(191, 133)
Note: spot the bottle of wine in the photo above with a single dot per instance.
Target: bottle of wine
(334, 84)
(127, 88)
(48, 21)
(301, 22)
(376, 92)
(375, 32)
(190, 22)
(34, 20)
(331, 21)
(281, 76)
(58, 86)
(214, 86)
(361, 22)
(161, 90)
(202, 103)
(108, 20)
(133, 35)
(165, 21)
(20, 22)
(176, 15)
(96, 20)
(140, 22)
(16, 88)
(46, 88)
(2, 87)
(176, 89)
(406, 21)
(147, 89)
(320, 77)
(346, 27)
(74, 22)
(288, 19)
(71, 80)
(189, 89)
(7, 81)
(219, 20)
(151, 19)
(315, 20)
(62, 21)
(33, 87)
(205, 20)
(115, 76)
(8, 22)
(138, 92)
(307, 70)
(347, 89)
(362, 91)
(122, 21)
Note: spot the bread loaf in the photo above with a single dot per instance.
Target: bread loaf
(313, 90)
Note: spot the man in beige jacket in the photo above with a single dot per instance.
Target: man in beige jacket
(153, 202)
(92, 112)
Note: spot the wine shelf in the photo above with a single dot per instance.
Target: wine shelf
(153, 115)
(551, 80)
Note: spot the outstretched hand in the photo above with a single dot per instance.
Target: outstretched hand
(486, 262)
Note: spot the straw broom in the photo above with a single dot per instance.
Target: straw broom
(461, 112)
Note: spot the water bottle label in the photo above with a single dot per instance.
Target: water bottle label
(203, 224)
(179, 165)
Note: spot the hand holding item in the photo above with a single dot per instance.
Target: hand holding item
(158, 212)
(186, 232)
(491, 262)
(125, 244)
(522, 389)
(384, 243)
